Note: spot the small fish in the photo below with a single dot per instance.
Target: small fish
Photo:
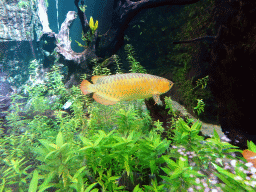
(111, 89)
(250, 156)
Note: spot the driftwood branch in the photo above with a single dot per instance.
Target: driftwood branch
(82, 16)
(209, 39)
(61, 42)
(124, 12)
(64, 44)
(42, 13)
(103, 45)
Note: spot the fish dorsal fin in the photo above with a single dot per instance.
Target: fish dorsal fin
(96, 78)
(103, 100)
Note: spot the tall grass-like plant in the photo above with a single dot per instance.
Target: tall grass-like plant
(130, 153)
(58, 160)
(93, 147)
(135, 65)
(128, 120)
(15, 174)
(99, 68)
(60, 168)
(119, 70)
(200, 106)
(15, 159)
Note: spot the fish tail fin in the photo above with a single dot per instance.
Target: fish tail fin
(85, 87)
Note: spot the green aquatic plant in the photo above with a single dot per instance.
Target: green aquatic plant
(57, 159)
(134, 65)
(93, 26)
(237, 181)
(68, 163)
(180, 175)
(23, 4)
(46, 93)
(200, 106)
(86, 38)
(90, 34)
(138, 26)
(119, 70)
(82, 8)
(251, 146)
(46, 3)
(130, 153)
(128, 120)
(202, 82)
(187, 136)
(93, 147)
(241, 178)
(15, 159)
(99, 68)
(14, 174)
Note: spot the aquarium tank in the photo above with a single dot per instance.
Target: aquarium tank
(104, 95)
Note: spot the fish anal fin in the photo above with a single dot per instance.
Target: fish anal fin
(103, 100)
(95, 78)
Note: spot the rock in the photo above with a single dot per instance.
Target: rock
(19, 21)
(207, 128)
(20, 29)
(232, 70)
(5, 100)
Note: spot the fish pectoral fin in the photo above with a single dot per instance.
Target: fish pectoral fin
(157, 99)
(103, 100)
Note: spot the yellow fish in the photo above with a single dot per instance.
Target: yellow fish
(111, 89)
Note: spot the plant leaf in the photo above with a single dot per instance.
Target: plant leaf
(196, 126)
(216, 136)
(176, 173)
(59, 140)
(252, 146)
(96, 25)
(88, 189)
(2, 188)
(170, 162)
(79, 172)
(183, 126)
(91, 23)
(34, 182)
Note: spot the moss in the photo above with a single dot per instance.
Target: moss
(162, 26)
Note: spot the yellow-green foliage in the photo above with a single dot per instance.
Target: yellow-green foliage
(99, 68)
(123, 117)
(90, 34)
(162, 57)
(135, 65)
(82, 7)
(93, 26)
(95, 146)
(180, 56)
(23, 4)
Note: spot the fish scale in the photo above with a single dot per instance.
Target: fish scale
(111, 89)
